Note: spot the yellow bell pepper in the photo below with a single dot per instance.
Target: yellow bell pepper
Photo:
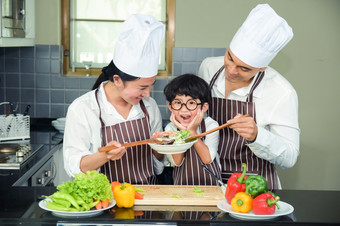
(242, 202)
(124, 195)
(124, 213)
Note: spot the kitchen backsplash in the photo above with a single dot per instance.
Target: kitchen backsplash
(32, 75)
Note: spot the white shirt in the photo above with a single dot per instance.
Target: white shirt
(83, 129)
(211, 140)
(276, 105)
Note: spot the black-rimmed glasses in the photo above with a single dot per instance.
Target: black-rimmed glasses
(190, 105)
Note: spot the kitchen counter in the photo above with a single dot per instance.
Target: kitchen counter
(19, 205)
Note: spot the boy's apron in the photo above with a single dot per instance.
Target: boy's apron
(136, 165)
(232, 149)
(191, 172)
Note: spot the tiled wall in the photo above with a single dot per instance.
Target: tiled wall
(31, 75)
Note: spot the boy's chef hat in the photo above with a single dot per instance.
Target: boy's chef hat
(262, 35)
(137, 48)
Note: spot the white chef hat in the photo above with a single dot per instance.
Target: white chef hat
(137, 48)
(262, 35)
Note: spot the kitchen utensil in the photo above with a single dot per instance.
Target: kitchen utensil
(191, 138)
(212, 174)
(136, 143)
(27, 109)
(13, 110)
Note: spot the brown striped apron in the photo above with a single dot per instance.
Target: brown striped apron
(191, 172)
(232, 149)
(136, 166)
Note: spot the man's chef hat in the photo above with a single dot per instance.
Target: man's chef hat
(137, 48)
(262, 35)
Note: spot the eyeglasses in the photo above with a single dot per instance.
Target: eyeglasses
(190, 105)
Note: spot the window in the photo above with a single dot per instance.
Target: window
(88, 35)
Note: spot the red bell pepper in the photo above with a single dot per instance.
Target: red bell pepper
(236, 184)
(265, 204)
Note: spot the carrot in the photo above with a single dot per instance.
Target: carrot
(99, 205)
(138, 195)
(114, 184)
(105, 203)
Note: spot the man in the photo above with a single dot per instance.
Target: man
(242, 83)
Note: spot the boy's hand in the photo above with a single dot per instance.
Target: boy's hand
(177, 123)
(192, 127)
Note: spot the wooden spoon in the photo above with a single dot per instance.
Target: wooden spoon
(192, 138)
(136, 143)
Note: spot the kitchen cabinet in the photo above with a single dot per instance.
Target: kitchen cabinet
(17, 19)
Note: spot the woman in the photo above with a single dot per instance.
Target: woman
(119, 110)
(242, 83)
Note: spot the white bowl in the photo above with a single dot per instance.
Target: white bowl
(171, 148)
(58, 125)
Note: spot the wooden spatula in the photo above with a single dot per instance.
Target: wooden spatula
(192, 138)
(136, 143)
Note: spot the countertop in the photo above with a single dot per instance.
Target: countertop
(19, 205)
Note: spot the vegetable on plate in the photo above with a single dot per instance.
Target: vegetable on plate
(265, 204)
(236, 184)
(256, 185)
(242, 202)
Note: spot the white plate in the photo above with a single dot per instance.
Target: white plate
(285, 209)
(172, 148)
(78, 214)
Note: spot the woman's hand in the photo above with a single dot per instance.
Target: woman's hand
(117, 153)
(244, 126)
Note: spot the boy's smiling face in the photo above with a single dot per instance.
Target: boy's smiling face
(184, 115)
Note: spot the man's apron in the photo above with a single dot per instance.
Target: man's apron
(136, 166)
(191, 172)
(232, 149)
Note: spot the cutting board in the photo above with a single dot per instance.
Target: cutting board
(180, 195)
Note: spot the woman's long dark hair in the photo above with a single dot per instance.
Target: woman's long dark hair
(108, 72)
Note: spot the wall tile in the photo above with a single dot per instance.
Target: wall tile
(71, 95)
(42, 110)
(12, 52)
(203, 53)
(12, 80)
(57, 111)
(177, 54)
(87, 83)
(72, 83)
(55, 66)
(42, 51)
(27, 65)
(42, 66)
(27, 52)
(33, 76)
(11, 65)
(43, 96)
(219, 51)
(57, 96)
(27, 80)
(55, 52)
(27, 95)
(12, 95)
(42, 81)
(57, 81)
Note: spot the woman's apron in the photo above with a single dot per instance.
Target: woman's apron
(232, 149)
(191, 172)
(136, 165)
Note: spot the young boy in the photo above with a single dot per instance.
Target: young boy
(189, 96)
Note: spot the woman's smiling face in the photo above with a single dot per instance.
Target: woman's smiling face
(184, 115)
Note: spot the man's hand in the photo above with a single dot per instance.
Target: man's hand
(245, 126)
